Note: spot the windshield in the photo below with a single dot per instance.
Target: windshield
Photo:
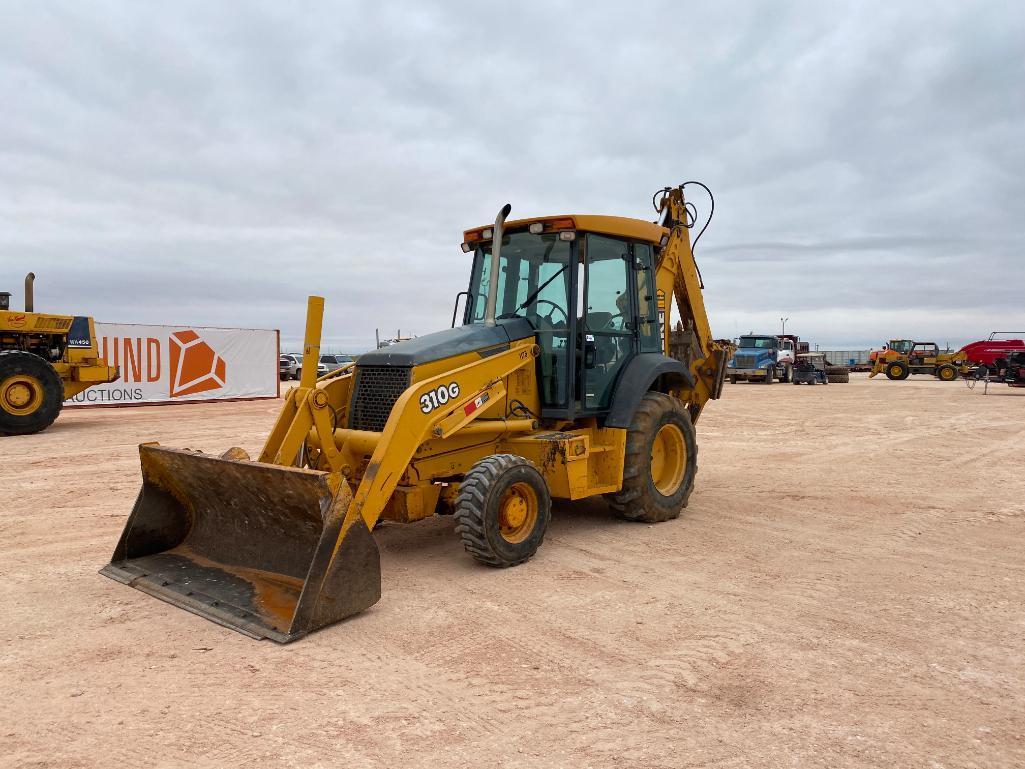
(759, 342)
(533, 279)
(901, 345)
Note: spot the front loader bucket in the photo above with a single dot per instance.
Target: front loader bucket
(262, 549)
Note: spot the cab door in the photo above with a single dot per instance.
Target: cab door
(608, 318)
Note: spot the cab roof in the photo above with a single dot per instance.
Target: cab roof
(618, 226)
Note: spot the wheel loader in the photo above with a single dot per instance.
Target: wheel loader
(557, 385)
(44, 360)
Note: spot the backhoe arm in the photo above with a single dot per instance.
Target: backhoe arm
(677, 276)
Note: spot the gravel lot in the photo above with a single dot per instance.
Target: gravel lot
(845, 589)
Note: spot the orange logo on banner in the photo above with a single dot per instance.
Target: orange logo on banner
(195, 367)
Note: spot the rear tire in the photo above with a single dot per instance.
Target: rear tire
(734, 378)
(656, 490)
(842, 378)
(31, 393)
(502, 510)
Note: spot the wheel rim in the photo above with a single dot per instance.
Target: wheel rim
(21, 395)
(895, 370)
(947, 374)
(518, 511)
(668, 459)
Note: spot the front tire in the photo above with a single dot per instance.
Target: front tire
(502, 510)
(31, 393)
(947, 373)
(897, 370)
(660, 464)
(768, 375)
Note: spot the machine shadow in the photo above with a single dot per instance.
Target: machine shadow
(436, 536)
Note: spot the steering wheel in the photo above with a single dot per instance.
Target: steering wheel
(609, 326)
(548, 317)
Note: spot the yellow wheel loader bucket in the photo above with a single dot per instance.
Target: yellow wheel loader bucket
(262, 549)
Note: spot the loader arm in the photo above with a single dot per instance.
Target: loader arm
(410, 425)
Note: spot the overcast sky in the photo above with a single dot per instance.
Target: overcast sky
(212, 163)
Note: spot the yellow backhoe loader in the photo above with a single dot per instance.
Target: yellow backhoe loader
(558, 384)
(44, 360)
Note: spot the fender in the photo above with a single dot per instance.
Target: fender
(637, 378)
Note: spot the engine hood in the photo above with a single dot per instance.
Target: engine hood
(447, 343)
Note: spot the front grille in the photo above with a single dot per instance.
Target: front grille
(745, 361)
(377, 389)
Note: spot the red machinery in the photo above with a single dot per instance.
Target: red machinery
(993, 352)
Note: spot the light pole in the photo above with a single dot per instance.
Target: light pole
(784, 322)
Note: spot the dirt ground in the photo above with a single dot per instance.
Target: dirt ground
(847, 588)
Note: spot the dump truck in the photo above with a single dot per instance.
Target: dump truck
(44, 360)
(764, 358)
(900, 358)
(558, 385)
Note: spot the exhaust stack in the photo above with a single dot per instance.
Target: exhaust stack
(30, 302)
(496, 251)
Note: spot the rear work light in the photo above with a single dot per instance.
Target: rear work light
(536, 228)
(567, 235)
(467, 248)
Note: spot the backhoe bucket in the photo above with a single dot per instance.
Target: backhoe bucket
(262, 549)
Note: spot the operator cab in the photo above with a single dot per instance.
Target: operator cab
(786, 351)
(586, 285)
(923, 350)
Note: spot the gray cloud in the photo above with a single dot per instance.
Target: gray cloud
(213, 163)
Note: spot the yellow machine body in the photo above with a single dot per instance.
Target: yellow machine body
(79, 367)
(281, 545)
(44, 360)
(903, 357)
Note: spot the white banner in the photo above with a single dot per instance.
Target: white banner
(170, 364)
